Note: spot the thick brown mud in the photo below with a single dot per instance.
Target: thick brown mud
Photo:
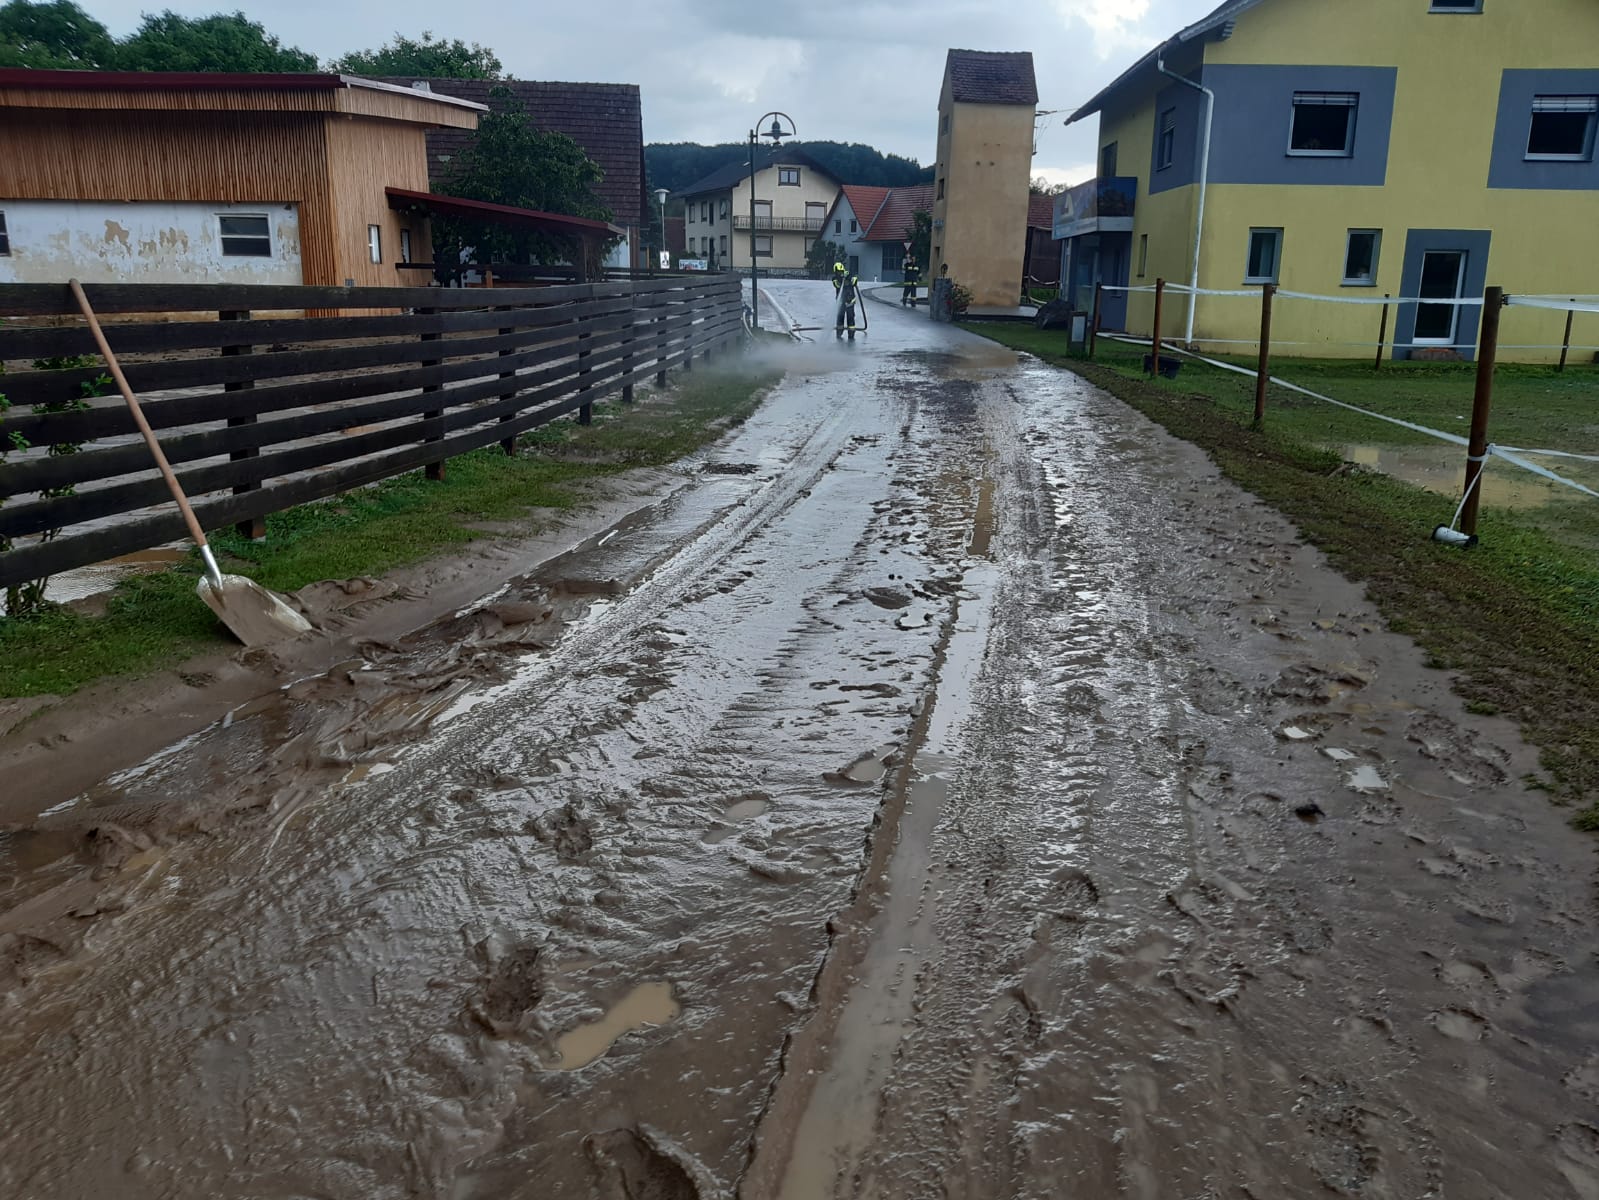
(958, 790)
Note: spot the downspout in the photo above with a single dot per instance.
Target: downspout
(1204, 182)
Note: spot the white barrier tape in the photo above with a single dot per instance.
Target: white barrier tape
(1475, 480)
(1468, 302)
(1588, 306)
(1508, 453)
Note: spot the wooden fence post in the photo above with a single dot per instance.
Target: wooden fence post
(1493, 301)
(1093, 325)
(1382, 334)
(508, 444)
(253, 528)
(1154, 341)
(1263, 370)
(661, 305)
(433, 470)
(627, 344)
(585, 412)
(1565, 346)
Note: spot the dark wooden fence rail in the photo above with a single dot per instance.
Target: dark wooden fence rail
(257, 415)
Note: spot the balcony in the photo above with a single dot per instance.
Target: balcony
(741, 221)
(1098, 206)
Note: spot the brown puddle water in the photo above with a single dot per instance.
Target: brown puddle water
(646, 1006)
(1442, 468)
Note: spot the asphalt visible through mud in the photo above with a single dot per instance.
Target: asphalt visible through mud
(958, 791)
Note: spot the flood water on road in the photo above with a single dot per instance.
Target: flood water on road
(959, 790)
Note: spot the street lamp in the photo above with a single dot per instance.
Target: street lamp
(777, 133)
(660, 198)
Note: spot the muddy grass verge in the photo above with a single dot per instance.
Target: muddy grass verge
(151, 622)
(1516, 619)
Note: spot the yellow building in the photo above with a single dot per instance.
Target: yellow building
(985, 159)
(792, 195)
(1412, 148)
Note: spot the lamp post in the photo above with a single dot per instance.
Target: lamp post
(777, 133)
(660, 199)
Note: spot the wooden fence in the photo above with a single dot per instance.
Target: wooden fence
(257, 415)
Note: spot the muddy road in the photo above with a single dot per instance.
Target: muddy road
(956, 790)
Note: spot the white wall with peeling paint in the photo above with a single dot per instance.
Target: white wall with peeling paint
(98, 241)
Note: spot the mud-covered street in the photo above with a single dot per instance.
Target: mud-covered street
(954, 789)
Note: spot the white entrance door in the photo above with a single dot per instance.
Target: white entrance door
(1442, 274)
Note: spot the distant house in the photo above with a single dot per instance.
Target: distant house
(1043, 258)
(605, 119)
(985, 153)
(115, 177)
(792, 195)
(873, 225)
(1418, 148)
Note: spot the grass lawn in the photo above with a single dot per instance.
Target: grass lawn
(1517, 617)
(154, 621)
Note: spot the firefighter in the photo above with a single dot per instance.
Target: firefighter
(849, 290)
(838, 277)
(908, 296)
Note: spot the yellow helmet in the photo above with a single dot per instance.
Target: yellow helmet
(838, 268)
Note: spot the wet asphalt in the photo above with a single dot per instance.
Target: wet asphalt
(955, 789)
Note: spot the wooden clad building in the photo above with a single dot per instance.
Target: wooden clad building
(119, 177)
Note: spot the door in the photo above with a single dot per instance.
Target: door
(854, 264)
(1443, 272)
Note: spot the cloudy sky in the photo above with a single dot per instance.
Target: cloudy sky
(848, 70)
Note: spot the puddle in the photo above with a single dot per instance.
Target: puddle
(868, 768)
(646, 1006)
(1367, 779)
(83, 582)
(364, 771)
(1442, 468)
(746, 810)
(1336, 754)
(983, 520)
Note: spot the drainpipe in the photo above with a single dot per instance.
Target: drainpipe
(1204, 181)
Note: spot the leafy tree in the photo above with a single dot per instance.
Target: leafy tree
(511, 162)
(919, 233)
(53, 33)
(221, 42)
(823, 254)
(430, 58)
(1043, 187)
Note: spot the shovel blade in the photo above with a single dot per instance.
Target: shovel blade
(252, 614)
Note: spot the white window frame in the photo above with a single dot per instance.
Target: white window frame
(1376, 257)
(690, 210)
(405, 245)
(374, 244)
(724, 245)
(1564, 104)
(854, 226)
(782, 177)
(5, 238)
(1166, 139)
(1454, 319)
(1277, 255)
(763, 237)
(224, 238)
(1350, 101)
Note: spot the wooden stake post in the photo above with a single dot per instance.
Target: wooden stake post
(1382, 334)
(1263, 371)
(1093, 327)
(1154, 356)
(1493, 301)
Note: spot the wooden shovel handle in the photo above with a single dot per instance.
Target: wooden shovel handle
(189, 518)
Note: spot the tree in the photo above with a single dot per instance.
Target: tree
(823, 254)
(428, 58)
(1043, 187)
(511, 162)
(220, 42)
(919, 233)
(56, 33)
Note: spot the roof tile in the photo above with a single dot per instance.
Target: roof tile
(991, 77)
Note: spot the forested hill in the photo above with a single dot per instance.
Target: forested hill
(674, 165)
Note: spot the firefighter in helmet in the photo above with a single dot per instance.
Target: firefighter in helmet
(838, 277)
(849, 291)
(907, 298)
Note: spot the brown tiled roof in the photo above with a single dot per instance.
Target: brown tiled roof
(894, 217)
(1040, 212)
(991, 77)
(864, 201)
(606, 119)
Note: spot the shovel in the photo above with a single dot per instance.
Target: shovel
(252, 614)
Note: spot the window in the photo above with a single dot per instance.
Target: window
(405, 245)
(763, 214)
(838, 225)
(5, 238)
(763, 245)
(245, 237)
(1360, 257)
(689, 210)
(853, 227)
(943, 125)
(1265, 255)
(1107, 161)
(1324, 124)
(893, 257)
(1562, 128)
(940, 189)
(1453, 6)
(809, 242)
(1143, 255)
(788, 177)
(374, 243)
(815, 214)
(705, 210)
(1166, 145)
(724, 245)
(727, 207)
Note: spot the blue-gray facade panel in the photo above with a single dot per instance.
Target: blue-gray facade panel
(1254, 118)
(1508, 168)
(1475, 243)
(1190, 114)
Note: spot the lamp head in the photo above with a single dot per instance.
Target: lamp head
(776, 131)
(661, 195)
